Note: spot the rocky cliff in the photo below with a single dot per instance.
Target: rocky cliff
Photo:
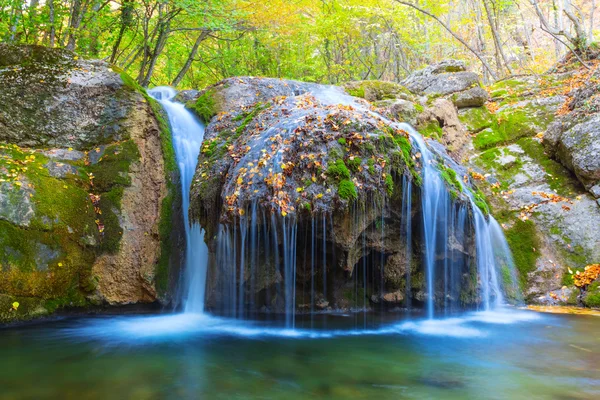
(87, 182)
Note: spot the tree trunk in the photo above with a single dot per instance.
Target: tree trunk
(475, 53)
(496, 37)
(126, 11)
(188, 63)
(51, 21)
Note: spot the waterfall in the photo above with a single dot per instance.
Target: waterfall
(188, 134)
(492, 251)
(258, 263)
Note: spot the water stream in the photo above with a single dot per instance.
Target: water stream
(188, 134)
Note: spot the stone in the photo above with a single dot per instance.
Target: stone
(443, 115)
(441, 79)
(403, 111)
(474, 97)
(394, 297)
(579, 149)
(15, 202)
(60, 170)
(64, 154)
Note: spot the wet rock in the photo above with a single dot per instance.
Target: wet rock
(64, 154)
(394, 297)
(186, 95)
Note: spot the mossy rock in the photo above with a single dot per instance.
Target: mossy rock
(591, 297)
(373, 91)
(476, 119)
(524, 242)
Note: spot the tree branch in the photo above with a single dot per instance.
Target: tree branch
(461, 40)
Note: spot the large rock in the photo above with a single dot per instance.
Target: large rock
(574, 139)
(306, 163)
(551, 222)
(441, 79)
(60, 100)
(440, 120)
(83, 177)
(474, 97)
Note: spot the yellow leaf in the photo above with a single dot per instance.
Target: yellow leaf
(319, 195)
(283, 213)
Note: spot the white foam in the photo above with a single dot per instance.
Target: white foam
(174, 327)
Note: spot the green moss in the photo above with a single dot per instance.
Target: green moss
(524, 242)
(479, 200)
(432, 129)
(592, 296)
(476, 119)
(205, 105)
(342, 141)
(389, 185)
(338, 170)
(449, 176)
(354, 163)
(113, 168)
(347, 190)
(558, 177)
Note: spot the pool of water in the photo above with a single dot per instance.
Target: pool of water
(509, 354)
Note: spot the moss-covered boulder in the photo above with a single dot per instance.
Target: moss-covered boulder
(374, 91)
(83, 176)
(316, 165)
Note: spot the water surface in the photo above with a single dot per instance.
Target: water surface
(488, 355)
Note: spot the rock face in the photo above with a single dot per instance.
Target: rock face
(82, 185)
(280, 169)
(574, 139)
(551, 223)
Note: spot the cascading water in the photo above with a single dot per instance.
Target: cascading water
(492, 250)
(188, 134)
(258, 260)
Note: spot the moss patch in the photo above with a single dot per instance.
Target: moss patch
(524, 242)
(338, 170)
(347, 190)
(205, 105)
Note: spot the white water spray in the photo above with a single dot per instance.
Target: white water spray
(188, 134)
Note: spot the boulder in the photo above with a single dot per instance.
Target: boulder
(441, 79)
(474, 97)
(574, 139)
(83, 179)
(304, 162)
(440, 120)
